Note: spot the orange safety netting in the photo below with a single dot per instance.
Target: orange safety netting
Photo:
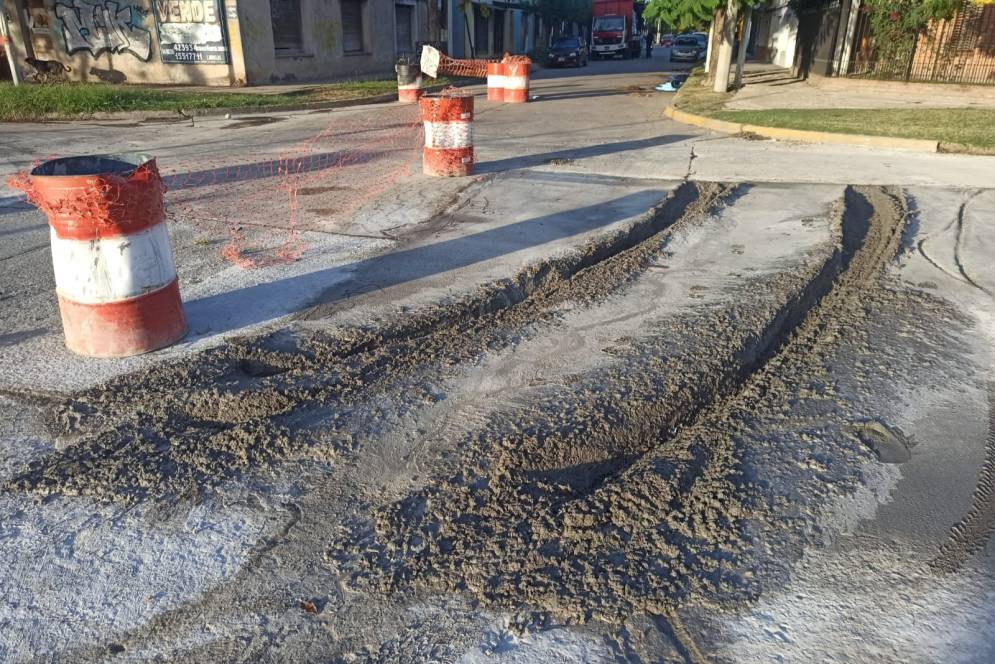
(268, 204)
(106, 205)
(516, 59)
(463, 68)
(435, 63)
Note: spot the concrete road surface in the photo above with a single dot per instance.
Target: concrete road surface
(632, 392)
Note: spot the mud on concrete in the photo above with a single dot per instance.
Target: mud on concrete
(189, 426)
(632, 490)
(627, 495)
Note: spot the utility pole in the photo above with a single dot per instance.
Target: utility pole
(728, 35)
(7, 46)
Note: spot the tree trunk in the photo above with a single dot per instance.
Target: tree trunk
(713, 43)
(727, 36)
(744, 40)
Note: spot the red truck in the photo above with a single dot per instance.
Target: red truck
(613, 30)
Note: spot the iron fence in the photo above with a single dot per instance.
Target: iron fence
(958, 50)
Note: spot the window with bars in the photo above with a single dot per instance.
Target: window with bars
(498, 17)
(286, 20)
(481, 30)
(404, 25)
(352, 26)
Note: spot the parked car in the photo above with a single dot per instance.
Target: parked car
(568, 51)
(686, 49)
(667, 41)
(702, 38)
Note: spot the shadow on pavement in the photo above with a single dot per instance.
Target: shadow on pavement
(573, 154)
(256, 304)
(290, 165)
(583, 94)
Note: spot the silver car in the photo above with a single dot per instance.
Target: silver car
(686, 49)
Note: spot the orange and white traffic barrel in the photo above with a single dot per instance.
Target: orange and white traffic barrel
(495, 81)
(409, 83)
(448, 121)
(516, 80)
(114, 273)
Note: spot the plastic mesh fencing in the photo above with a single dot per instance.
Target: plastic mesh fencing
(435, 63)
(106, 204)
(262, 203)
(448, 121)
(464, 68)
(517, 59)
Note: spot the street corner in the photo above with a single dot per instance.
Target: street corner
(449, 345)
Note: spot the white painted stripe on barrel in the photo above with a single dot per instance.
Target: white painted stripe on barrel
(495, 80)
(448, 135)
(111, 269)
(516, 82)
(410, 86)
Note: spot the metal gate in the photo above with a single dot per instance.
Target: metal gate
(958, 50)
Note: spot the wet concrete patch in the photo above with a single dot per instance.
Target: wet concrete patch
(253, 121)
(889, 444)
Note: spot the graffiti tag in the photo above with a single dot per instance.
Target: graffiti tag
(103, 25)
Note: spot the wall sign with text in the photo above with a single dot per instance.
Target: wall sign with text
(191, 31)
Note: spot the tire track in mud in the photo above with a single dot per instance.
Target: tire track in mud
(959, 244)
(625, 495)
(957, 223)
(971, 534)
(673, 627)
(163, 432)
(700, 503)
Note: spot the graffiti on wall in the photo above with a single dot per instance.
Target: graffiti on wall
(104, 25)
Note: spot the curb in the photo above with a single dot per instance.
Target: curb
(153, 116)
(806, 136)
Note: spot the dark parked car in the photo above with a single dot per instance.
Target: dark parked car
(686, 49)
(568, 51)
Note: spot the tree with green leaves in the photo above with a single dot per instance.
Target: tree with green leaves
(690, 14)
(683, 14)
(897, 25)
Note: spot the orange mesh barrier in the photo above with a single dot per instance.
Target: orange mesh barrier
(260, 205)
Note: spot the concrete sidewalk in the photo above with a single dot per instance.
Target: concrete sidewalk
(773, 88)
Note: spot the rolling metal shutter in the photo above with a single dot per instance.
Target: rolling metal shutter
(352, 26)
(286, 18)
